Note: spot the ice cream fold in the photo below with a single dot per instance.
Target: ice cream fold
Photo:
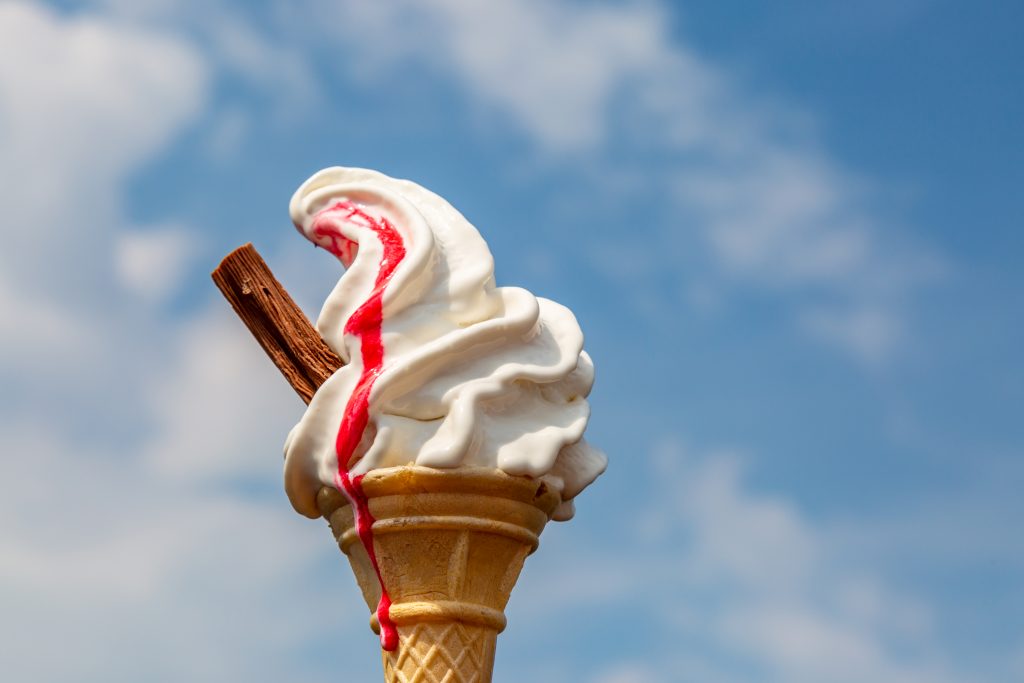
(467, 374)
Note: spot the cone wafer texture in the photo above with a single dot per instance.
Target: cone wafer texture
(450, 546)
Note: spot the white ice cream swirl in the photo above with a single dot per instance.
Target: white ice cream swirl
(473, 374)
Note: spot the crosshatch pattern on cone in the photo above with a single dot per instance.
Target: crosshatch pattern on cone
(466, 533)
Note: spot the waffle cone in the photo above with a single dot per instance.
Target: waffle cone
(450, 545)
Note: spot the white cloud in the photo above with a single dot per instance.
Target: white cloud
(761, 543)
(749, 588)
(112, 572)
(775, 211)
(627, 673)
(152, 263)
(35, 329)
(223, 410)
(1017, 661)
(271, 64)
(788, 602)
(227, 134)
(133, 548)
(868, 333)
(83, 103)
(113, 568)
(87, 97)
(269, 60)
(552, 67)
(805, 645)
(84, 98)
(148, 561)
(778, 218)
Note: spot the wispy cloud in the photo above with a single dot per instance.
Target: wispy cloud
(749, 185)
(140, 550)
(113, 572)
(748, 586)
(774, 210)
(83, 103)
(152, 263)
(235, 41)
(629, 673)
(220, 410)
(114, 569)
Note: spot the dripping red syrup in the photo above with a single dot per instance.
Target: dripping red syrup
(365, 324)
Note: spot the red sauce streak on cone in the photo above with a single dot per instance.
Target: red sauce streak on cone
(364, 323)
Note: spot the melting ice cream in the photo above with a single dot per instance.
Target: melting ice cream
(442, 368)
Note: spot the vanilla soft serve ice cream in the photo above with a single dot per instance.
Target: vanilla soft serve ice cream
(442, 368)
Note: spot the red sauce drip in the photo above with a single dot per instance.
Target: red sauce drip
(364, 323)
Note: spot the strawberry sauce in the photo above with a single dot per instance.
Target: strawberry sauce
(365, 324)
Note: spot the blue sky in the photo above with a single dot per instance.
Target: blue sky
(791, 235)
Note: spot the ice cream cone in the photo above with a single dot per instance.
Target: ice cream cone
(450, 545)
